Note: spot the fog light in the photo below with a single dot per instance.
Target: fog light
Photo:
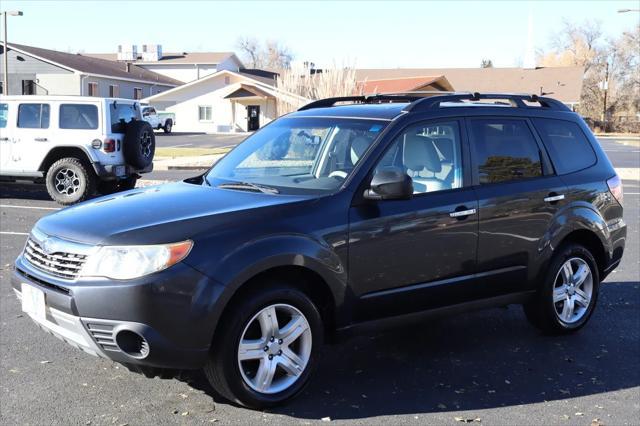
(132, 344)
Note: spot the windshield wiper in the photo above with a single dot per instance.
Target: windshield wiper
(248, 186)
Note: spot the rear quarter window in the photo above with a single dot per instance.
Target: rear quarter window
(77, 116)
(122, 113)
(568, 147)
(4, 114)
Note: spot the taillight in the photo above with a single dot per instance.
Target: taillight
(615, 186)
(109, 145)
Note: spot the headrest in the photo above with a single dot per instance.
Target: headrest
(419, 154)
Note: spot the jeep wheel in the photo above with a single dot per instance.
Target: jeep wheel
(69, 181)
(168, 126)
(139, 144)
(267, 349)
(569, 294)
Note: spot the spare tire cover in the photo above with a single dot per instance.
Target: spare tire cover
(139, 144)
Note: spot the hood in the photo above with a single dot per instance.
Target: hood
(154, 215)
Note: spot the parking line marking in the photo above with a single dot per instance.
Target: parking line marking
(28, 207)
(177, 146)
(13, 233)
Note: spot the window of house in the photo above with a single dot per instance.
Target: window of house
(28, 87)
(205, 113)
(4, 114)
(93, 89)
(430, 153)
(137, 93)
(2, 87)
(569, 149)
(75, 116)
(114, 91)
(505, 150)
(33, 116)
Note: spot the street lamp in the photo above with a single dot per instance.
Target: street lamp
(5, 84)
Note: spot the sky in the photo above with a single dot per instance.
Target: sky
(365, 34)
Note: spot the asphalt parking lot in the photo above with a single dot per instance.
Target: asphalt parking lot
(490, 367)
(198, 140)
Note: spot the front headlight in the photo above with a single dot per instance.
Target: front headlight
(127, 262)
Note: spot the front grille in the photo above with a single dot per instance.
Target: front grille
(103, 335)
(59, 264)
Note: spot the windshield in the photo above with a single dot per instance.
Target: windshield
(297, 156)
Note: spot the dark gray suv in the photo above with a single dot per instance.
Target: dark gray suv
(328, 219)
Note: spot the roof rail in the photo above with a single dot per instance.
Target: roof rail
(516, 99)
(362, 99)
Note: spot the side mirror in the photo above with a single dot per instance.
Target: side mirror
(390, 183)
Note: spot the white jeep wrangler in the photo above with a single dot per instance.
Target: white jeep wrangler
(77, 145)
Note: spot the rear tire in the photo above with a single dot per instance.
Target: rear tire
(168, 126)
(70, 180)
(572, 282)
(288, 378)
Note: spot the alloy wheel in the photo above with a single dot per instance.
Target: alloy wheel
(67, 181)
(272, 357)
(145, 144)
(573, 290)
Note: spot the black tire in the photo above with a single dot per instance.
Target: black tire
(108, 187)
(168, 125)
(70, 180)
(541, 311)
(222, 369)
(139, 144)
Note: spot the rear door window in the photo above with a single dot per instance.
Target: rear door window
(77, 116)
(121, 114)
(4, 113)
(567, 145)
(505, 150)
(33, 116)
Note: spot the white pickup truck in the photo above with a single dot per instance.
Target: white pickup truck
(158, 120)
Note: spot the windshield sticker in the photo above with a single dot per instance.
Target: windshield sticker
(375, 128)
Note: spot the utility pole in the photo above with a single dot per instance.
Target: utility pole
(5, 83)
(605, 87)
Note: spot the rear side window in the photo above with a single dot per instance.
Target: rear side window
(33, 116)
(121, 114)
(568, 147)
(505, 150)
(4, 113)
(75, 116)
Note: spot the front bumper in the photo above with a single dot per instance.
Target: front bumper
(171, 310)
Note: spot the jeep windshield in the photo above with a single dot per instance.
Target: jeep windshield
(297, 156)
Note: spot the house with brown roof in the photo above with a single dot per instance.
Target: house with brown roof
(37, 71)
(182, 66)
(562, 83)
(405, 84)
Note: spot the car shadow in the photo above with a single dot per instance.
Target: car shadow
(23, 191)
(480, 360)
(162, 133)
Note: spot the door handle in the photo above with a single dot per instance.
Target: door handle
(552, 198)
(462, 213)
(40, 139)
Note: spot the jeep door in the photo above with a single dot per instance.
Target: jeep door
(33, 135)
(410, 255)
(519, 195)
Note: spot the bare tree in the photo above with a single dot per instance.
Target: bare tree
(486, 63)
(272, 55)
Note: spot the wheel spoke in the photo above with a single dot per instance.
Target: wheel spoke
(567, 310)
(582, 298)
(559, 293)
(265, 374)
(290, 363)
(294, 329)
(581, 275)
(251, 349)
(268, 322)
(567, 273)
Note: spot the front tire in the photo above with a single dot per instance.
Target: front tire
(268, 347)
(70, 180)
(569, 294)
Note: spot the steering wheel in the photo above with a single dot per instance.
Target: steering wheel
(338, 174)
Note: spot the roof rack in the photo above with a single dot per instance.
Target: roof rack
(362, 99)
(419, 102)
(515, 99)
